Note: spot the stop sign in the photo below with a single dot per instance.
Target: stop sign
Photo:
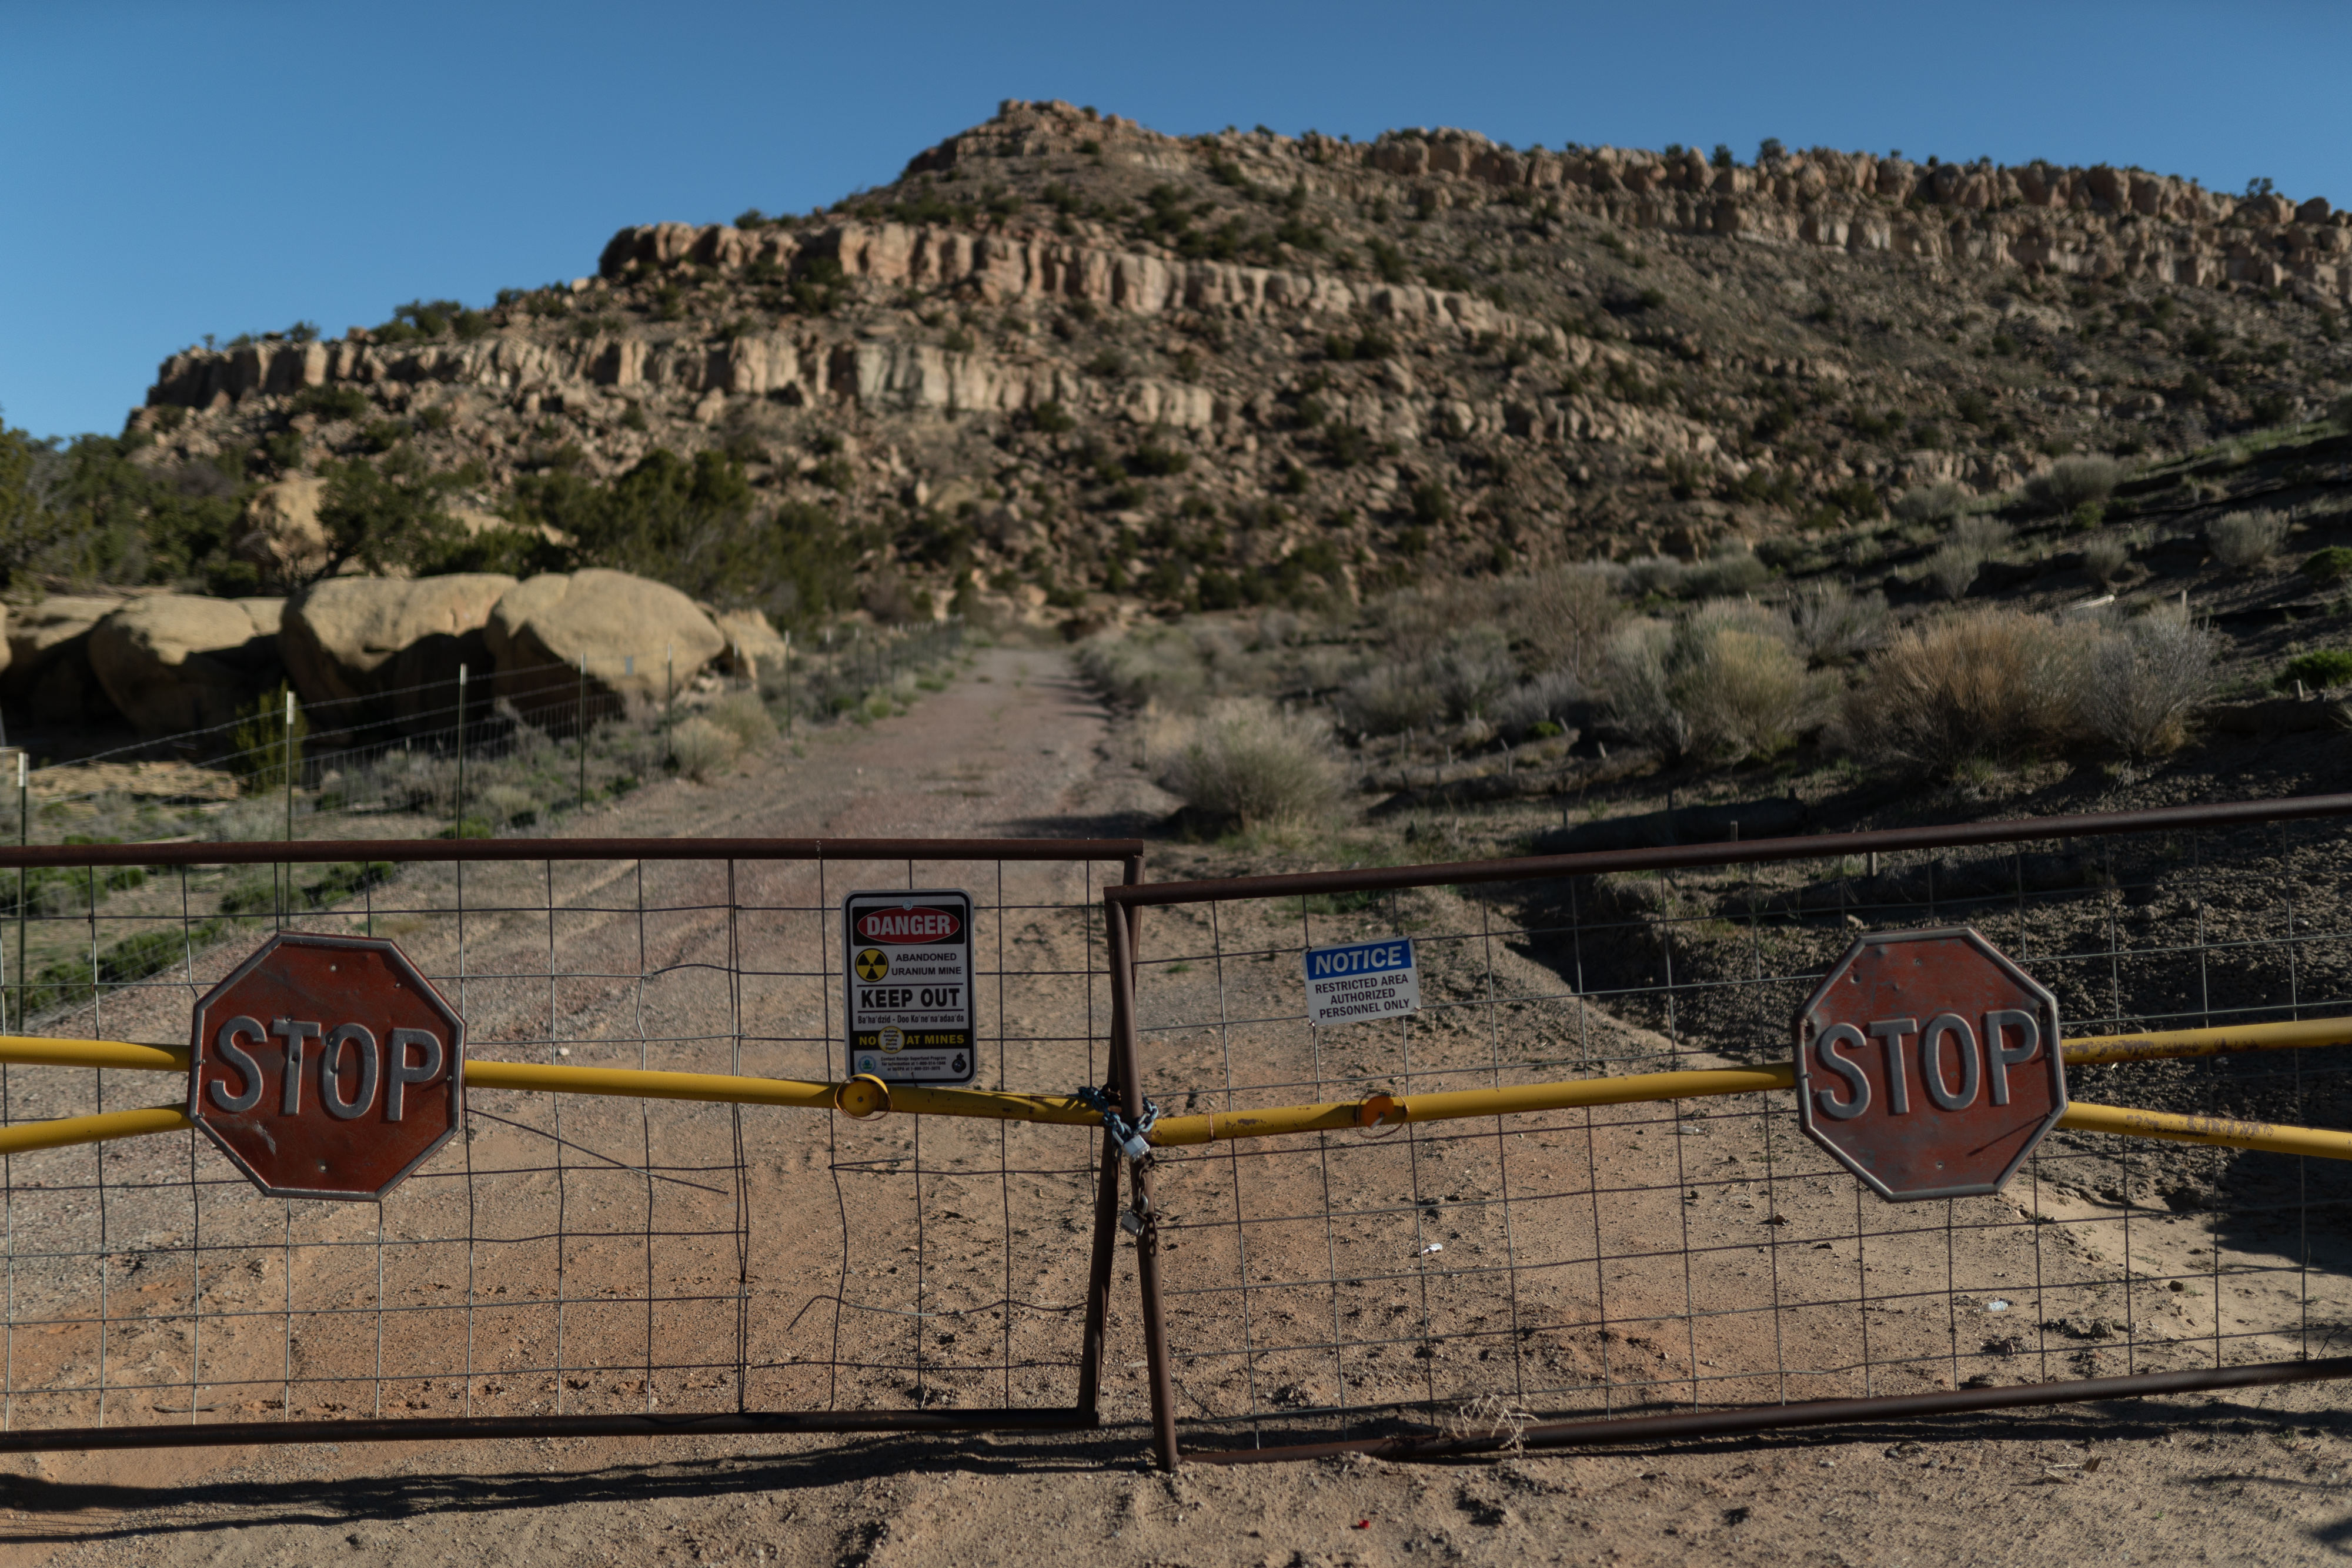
(327, 1067)
(1928, 1065)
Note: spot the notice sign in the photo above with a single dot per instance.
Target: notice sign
(1361, 980)
(909, 965)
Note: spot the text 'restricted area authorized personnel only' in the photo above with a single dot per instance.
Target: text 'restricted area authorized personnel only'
(1361, 980)
(909, 967)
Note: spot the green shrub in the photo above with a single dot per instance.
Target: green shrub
(331, 402)
(2319, 669)
(259, 755)
(2328, 566)
(1159, 461)
(1052, 418)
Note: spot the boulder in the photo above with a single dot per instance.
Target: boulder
(371, 651)
(635, 636)
(48, 668)
(753, 645)
(282, 536)
(174, 662)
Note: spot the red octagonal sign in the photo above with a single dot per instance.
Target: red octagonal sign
(327, 1067)
(1928, 1065)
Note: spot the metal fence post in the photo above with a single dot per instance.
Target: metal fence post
(461, 751)
(1116, 927)
(24, 837)
(582, 723)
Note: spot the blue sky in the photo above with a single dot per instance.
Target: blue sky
(179, 169)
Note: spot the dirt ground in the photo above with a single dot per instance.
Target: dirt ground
(1016, 748)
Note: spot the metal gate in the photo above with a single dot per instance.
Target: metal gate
(1568, 1200)
(1565, 1201)
(626, 1238)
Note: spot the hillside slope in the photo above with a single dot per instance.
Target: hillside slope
(1066, 367)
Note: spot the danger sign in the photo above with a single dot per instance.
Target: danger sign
(909, 972)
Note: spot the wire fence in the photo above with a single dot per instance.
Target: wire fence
(477, 749)
(1701, 1254)
(577, 1261)
(468, 767)
(1327, 1252)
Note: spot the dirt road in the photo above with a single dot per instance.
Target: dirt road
(1017, 746)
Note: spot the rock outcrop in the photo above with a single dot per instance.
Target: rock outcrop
(282, 536)
(363, 650)
(171, 663)
(752, 645)
(634, 637)
(1066, 359)
(48, 670)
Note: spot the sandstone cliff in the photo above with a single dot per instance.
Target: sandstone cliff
(1064, 356)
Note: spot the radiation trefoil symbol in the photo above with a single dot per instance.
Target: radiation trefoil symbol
(873, 964)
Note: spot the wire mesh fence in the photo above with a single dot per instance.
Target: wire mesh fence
(1701, 1253)
(572, 1259)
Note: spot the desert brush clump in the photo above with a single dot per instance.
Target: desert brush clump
(1973, 541)
(1248, 762)
(2103, 559)
(2138, 680)
(743, 716)
(1724, 682)
(1159, 665)
(2073, 482)
(1981, 685)
(703, 750)
(1995, 686)
(2241, 540)
(1934, 504)
(1832, 621)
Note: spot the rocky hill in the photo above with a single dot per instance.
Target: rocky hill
(1066, 369)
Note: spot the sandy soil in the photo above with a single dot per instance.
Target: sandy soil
(1573, 1253)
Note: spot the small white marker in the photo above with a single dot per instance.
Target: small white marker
(1995, 1305)
(1433, 1247)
